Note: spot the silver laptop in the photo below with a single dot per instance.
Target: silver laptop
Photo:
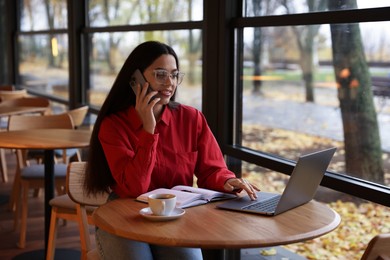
(300, 189)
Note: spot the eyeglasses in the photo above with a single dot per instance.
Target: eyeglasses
(162, 76)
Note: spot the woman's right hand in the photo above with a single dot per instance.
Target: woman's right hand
(144, 106)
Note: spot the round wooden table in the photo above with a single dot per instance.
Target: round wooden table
(48, 140)
(210, 228)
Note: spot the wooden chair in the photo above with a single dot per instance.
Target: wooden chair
(78, 116)
(75, 206)
(14, 94)
(31, 102)
(28, 102)
(24, 101)
(32, 176)
(378, 248)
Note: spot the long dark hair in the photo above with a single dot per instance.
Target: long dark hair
(98, 175)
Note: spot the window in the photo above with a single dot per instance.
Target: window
(143, 12)
(38, 15)
(127, 24)
(43, 65)
(292, 98)
(307, 81)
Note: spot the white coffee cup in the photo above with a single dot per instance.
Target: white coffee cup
(162, 204)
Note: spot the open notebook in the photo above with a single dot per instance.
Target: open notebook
(300, 189)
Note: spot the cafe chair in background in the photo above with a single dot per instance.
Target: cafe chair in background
(31, 176)
(26, 102)
(78, 115)
(378, 248)
(77, 206)
(14, 94)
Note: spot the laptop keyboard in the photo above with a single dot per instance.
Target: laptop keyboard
(264, 206)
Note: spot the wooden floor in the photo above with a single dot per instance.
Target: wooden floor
(68, 235)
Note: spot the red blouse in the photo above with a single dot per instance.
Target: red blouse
(182, 145)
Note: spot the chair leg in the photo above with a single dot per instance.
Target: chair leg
(16, 186)
(61, 190)
(84, 231)
(16, 208)
(3, 169)
(52, 235)
(15, 194)
(23, 222)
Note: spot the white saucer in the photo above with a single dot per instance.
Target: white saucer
(147, 213)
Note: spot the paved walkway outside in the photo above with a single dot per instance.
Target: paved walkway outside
(310, 118)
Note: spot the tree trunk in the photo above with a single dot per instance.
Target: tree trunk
(50, 21)
(256, 49)
(307, 66)
(363, 154)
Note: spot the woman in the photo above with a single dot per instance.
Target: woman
(143, 140)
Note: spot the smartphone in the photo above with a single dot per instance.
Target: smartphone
(138, 78)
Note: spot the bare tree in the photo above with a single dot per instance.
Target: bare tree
(257, 47)
(50, 21)
(305, 37)
(258, 8)
(194, 46)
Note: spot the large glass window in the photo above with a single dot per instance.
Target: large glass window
(310, 86)
(40, 15)
(143, 12)
(110, 48)
(43, 63)
(109, 51)
(294, 102)
(43, 47)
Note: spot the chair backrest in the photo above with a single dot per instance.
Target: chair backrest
(378, 248)
(75, 186)
(22, 122)
(6, 94)
(27, 102)
(75, 189)
(78, 115)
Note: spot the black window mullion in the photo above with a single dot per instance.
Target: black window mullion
(77, 72)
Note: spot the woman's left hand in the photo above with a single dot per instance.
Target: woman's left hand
(242, 184)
